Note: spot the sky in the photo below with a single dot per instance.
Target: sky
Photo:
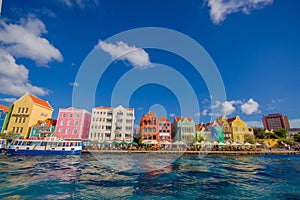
(249, 52)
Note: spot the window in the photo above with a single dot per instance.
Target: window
(23, 110)
(69, 123)
(21, 129)
(64, 115)
(60, 130)
(71, 115)
(62, 122)
(76, 123)
(16, 120)
(92, 126)
(67, 131)
(75, 131)
(19, 110)
(236, 129)
(13, 129)
(17, 129)
(20, 119)
(26, 111)
(128, 121)
(24, 119)
(77, 115)
(119, 120)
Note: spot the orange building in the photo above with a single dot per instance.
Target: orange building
(149, 126)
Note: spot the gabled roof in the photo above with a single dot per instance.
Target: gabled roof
(231, 119)
(4, 108)
(163, 119)
(41, 102)
(106, 108)
(177, 119)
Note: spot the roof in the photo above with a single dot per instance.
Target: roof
(182, 118)
(231, 119)
(102, 107)
(4, 108)
(164, 119)
(40, 102)
(48, 121)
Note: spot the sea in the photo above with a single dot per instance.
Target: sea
(140, 176)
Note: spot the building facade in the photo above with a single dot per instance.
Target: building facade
(223, 122)
(73, 123)
(42, 127)
(183, 129)
(240, 131)
(149, 127)
(164, 130)
(112, 124)
(3, 113)
(275, 121)
(26, 112)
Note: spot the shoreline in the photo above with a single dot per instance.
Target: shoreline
(287, 152)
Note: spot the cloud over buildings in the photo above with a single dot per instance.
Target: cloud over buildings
(137, 57)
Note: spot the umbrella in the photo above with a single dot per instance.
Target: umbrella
(164, 142)
(104, 142)
(133, 143)
(257, 144)
(114, 143)
(234, 144)
(150, 142)
(123, 142)
(197, 143)
(247, 144)
(215, 143)
(222, 143)
(227, 143)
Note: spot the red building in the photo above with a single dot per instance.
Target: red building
(149, 126)
(275, 121)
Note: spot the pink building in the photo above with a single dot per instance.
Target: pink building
(164, 130)
(73, 123)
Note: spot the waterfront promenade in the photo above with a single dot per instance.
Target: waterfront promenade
(197, 152)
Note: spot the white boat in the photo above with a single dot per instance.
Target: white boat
(47, 146)
(3, 143)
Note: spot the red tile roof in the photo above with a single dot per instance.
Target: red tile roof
(164, 119)
(182, 118)
(40, 102)
(4, 108)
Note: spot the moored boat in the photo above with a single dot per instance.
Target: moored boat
(47, 146)
(3, 143)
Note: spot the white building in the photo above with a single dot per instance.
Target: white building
(112, 124)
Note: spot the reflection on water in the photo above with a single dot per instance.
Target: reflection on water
(132, 176)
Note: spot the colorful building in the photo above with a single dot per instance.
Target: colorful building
(240, 130)
(3, 113)
(275, 121)
(26, 112)
(73, 123)
(223, 122)
(203, 133)
(183, 129)
(42, 127)
(164, 130)
(149, 127)
(112, 124)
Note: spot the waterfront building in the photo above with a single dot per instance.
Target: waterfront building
(223, 122)
(203, 133)
(183, 129)
(164, 130)
(149, 127)
(26, 112)
(112, 124)
(42, 127)
(275, 121)
(73, 123)
(240, 131)
(3, 113)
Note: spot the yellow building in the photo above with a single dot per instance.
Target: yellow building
(26, 112)
(240, 130)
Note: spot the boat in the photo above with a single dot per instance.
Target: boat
(3, 143)
(46, 146)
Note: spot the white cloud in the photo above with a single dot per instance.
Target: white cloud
(228, 107)
(204, 112)
(137, 57)
(80, 3)
(14, 78)
(219, 9)
(24, 40)
(172, 115)
(294, 123)
(9, 100)
(254, 124)
(75, 84)
(250, 107)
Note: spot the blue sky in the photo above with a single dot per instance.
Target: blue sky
(253, 43)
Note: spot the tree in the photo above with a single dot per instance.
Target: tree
(281, 133)
(297, 137)
(9, 136)
(249, 138)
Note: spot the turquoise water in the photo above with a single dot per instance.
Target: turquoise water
(189, 177)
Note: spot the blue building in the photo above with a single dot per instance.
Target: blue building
(3, 113)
